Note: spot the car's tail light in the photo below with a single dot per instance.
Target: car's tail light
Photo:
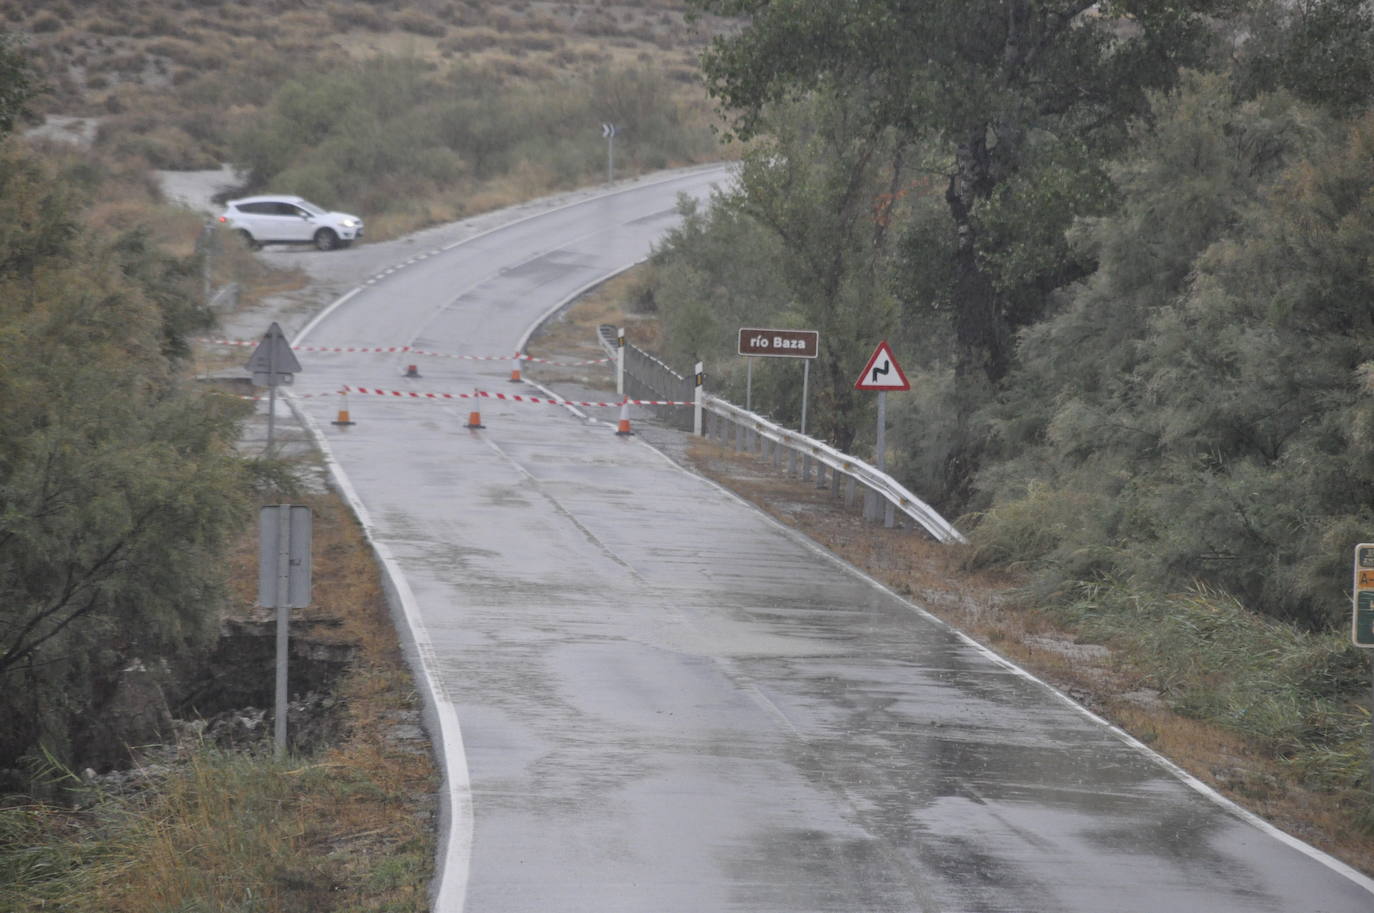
(223, 219)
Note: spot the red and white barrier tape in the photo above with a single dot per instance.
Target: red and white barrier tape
(510, 397)
(407, 350)
(265, 398)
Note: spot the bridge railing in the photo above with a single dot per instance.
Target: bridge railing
(806, 458)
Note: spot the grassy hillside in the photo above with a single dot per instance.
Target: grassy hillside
(409, 113)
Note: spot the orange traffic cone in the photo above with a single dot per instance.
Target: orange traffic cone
(515, 369)
(412, 371)
(623, 427)
(475, 416)
(343, 414)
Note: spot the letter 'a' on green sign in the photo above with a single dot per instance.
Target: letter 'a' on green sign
(1362, 626)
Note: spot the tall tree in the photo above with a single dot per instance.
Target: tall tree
(801, 242)
(824, 185)
(117, 486)
(1321, 50)
(1023, 96)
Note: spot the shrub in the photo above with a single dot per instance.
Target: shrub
(45, 22)
(418, 23)
(1295, 694)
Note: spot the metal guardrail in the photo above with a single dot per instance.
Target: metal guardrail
(648, 378)
(805, 456)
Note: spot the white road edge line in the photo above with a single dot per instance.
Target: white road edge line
(456, 814)
(455, 831)
(1197, 785)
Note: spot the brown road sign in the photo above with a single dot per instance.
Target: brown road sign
(779, 343)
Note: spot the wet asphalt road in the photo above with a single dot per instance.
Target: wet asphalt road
(669, 703)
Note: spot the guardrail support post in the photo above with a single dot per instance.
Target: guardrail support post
(620, 362)
(849, 491)
(698, 395)
(889, 515)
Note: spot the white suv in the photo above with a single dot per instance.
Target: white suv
(290, 220)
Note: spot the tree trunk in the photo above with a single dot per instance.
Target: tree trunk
(980, 325)
(982, 336)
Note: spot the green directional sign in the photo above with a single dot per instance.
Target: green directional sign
(1362, 625)
(1364, 619)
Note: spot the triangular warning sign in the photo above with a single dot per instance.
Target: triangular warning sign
(882, 372)
(273, 362)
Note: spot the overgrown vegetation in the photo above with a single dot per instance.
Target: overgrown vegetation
(119, 486)
(1136, 319)
(350, 829)
(397, 136)
(408, 114)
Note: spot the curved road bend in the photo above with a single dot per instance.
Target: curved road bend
(669, 703)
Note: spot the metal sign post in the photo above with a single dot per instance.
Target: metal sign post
(882, 373)
(609, 131)
(1362, 618)
(284, 536)
(272, 364)
(804, 344)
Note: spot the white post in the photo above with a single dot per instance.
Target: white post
(698, 396)
(620, 362)
(806, 382)
(271, 395)
(748, 383)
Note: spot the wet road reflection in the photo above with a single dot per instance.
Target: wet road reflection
(669, 703)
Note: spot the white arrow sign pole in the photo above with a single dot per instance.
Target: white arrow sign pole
(271, 395)
(608, 131)
(882, 373)
(880, 456)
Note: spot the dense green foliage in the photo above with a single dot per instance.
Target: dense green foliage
(1212, 423)
(1021, 98)
(117, 484)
